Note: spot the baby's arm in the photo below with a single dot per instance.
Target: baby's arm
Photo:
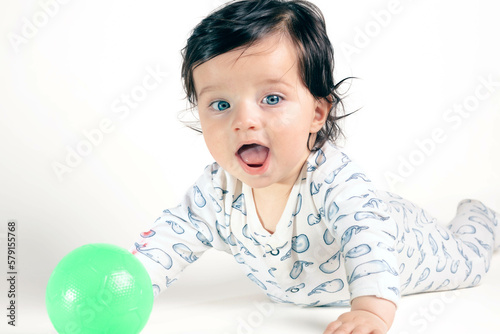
(367, 236)
(368, 315)
(181, 234)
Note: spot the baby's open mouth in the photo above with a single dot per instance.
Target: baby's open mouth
(254, 155)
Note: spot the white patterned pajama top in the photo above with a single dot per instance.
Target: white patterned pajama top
(338, 237)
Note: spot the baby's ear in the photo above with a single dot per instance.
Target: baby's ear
(321, 112)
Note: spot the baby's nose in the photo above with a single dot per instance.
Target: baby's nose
(246, 117)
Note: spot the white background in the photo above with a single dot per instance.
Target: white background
(65, 69)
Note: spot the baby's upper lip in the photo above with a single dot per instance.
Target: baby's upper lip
(250, 142)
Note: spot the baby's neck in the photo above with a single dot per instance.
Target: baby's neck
(270, 203)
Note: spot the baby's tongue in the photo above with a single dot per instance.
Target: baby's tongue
(253, 155)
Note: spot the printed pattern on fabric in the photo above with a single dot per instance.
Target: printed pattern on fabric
(337, 239)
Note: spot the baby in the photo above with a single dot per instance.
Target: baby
(303, 220)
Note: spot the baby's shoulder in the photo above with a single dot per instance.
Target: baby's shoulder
(218, 183)
(332, 176)
(330, 164)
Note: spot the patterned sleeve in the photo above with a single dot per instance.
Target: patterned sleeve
(180, 235)
(366, 234)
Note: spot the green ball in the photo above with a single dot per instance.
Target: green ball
(99, 288)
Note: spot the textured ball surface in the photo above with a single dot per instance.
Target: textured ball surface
(99, 288)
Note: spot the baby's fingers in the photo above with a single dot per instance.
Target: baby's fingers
(366, 330)
(332, 327)
(338, 327)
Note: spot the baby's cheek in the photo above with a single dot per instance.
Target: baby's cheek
(284, 120)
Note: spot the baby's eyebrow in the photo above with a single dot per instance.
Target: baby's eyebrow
(286, 86)
(208, 89)
(275, 81)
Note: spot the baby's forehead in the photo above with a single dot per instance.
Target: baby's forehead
(270, 60)
(263, 47)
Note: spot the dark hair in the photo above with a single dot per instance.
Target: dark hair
(242, 23)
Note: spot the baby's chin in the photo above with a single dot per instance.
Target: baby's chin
(261, 181)
(271, 174)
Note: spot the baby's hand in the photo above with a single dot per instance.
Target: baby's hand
(368, 315)
(358, 322)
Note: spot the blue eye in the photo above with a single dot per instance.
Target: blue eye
(220, 105)
(271, 99)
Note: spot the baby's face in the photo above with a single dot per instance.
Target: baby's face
(256, 114)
